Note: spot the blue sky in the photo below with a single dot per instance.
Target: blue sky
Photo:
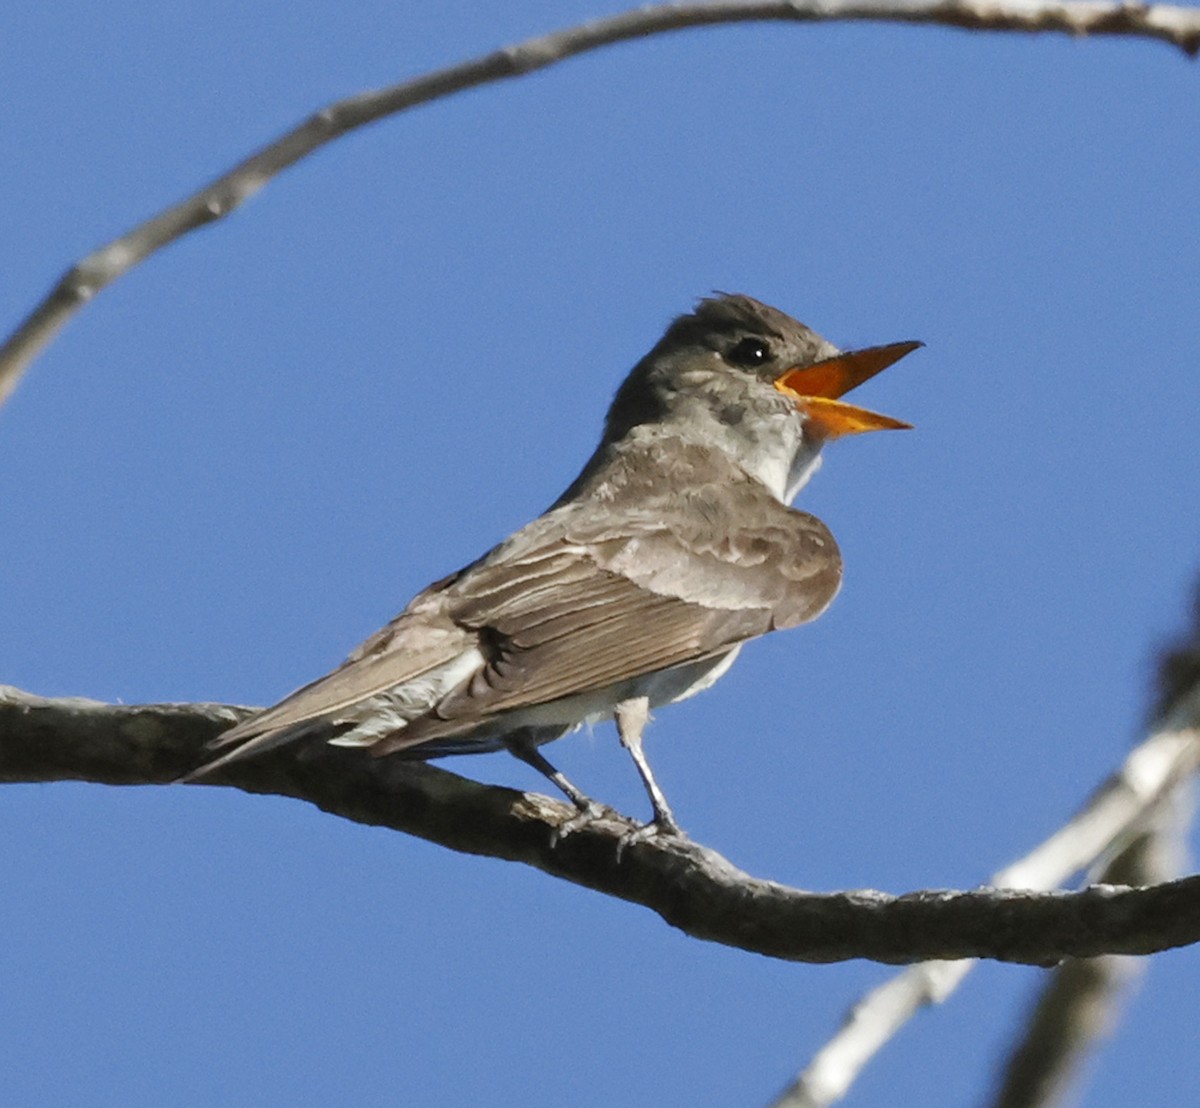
(248, 454)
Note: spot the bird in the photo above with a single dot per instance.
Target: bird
(637, 587)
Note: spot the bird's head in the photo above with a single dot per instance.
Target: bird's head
(754, 382)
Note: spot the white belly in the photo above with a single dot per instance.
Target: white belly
(665, 686)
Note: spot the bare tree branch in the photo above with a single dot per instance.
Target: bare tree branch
(1078, 1004)
(1116, 813)
(691, 887)
(1179, 26)
(1080, 1001)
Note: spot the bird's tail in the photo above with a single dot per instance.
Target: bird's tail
(247, 739)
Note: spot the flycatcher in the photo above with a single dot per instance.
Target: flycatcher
(639, 585)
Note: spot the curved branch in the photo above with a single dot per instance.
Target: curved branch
(691, 887)
(1179, 26)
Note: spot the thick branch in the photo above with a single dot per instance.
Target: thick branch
(1179, 26)
(691, 887)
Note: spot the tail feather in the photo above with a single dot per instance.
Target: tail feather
(251, 741)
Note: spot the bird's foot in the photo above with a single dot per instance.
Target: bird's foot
(589, 812)
(663, 826)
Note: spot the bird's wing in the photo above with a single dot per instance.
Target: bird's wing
(599, 606)
(566, 608)
(418, 644)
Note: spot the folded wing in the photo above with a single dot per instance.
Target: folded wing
(564, 610)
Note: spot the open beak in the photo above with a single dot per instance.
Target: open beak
(816, 389)
(836, 419)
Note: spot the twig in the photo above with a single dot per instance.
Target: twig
(1179, 26)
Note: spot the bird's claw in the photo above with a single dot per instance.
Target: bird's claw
(659, 827)
(588, 814)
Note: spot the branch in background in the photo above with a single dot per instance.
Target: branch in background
(1072, 1012)
(1137, 820)
(1079, 1003)
(1179, 26)
(691, 887)
(1177, 695)
(1117, 810)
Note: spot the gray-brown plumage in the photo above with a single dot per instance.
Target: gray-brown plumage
(637, 587)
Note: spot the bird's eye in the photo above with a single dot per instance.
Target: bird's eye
(749, 353)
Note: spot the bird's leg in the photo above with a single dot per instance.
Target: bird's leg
(632, 716)
(521, 745)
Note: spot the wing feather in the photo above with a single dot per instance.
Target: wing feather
(576, 603)
(636, 596)
(412, 649)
